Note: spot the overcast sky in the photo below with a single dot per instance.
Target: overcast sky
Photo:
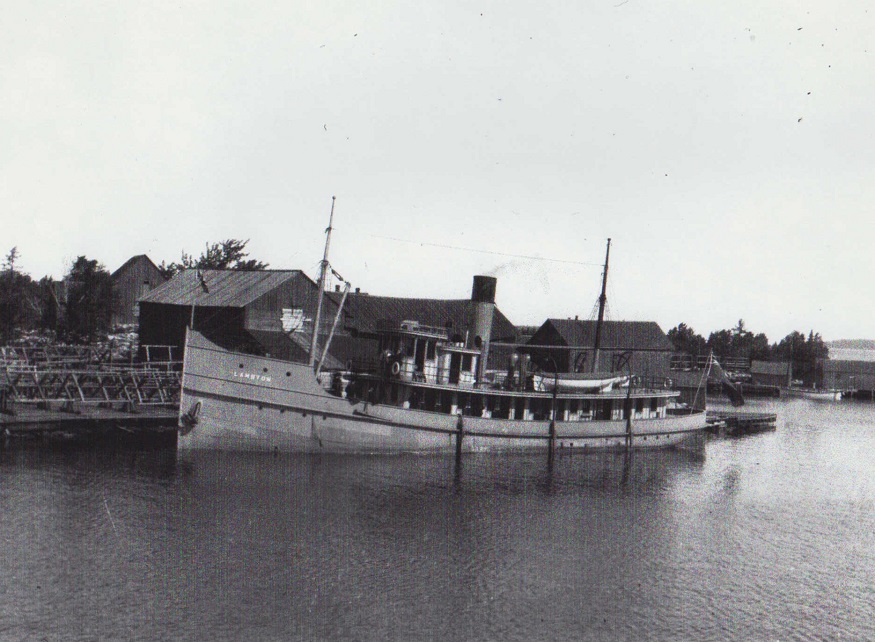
(727, 148)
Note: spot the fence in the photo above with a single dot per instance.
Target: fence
(681, 362)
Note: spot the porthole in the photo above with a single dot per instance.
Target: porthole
(241, 365)
(288, 374)
(264, 369)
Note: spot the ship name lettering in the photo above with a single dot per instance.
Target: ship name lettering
(252, 376)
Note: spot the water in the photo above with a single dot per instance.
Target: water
(768, 537)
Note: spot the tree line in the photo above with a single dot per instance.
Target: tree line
(805, 353)
(79, 308)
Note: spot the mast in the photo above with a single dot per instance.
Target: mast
(323, 269)
(603, 299)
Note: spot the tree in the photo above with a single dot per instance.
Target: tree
(89, 304)
(684, 339)
(791, 346)
(227, 255)
(49, 304)
(18, 304)
(10, 296)
(740, 343)
(9, 261)
(806, 355)
(720, 343)
(760, 348)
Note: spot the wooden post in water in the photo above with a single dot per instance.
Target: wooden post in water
(460, 433)
(552, 447)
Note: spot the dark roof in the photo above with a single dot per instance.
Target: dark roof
(364, 312)
(615, 334)
(224, 288)
(770, 367)
(131, 261)
(346, 349)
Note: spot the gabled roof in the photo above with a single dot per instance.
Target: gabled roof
(224, 288)
(131, 261)
(364, 312)
(615, 334)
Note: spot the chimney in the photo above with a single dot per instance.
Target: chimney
(481, 312)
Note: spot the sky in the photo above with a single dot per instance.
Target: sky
(727, 149)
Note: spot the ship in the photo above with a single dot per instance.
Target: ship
(813, 394)
(429, 391)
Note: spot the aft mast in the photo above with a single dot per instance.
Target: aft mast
(603, 299)
(323, 269)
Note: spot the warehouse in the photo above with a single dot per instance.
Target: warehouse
(268, 312)
(646, 345)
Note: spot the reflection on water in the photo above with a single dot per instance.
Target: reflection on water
(765, 537)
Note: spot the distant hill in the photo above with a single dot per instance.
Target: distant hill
(853, 344)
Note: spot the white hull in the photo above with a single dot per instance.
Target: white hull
(814, 395)
(248, 403)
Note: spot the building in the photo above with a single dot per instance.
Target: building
(365, 314)
(268, 312)
(134, 279)
(643, 343)
(771, 373)
(857, 375)
(271, 312)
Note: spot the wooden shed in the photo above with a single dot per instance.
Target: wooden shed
(647, 346)
(134, 279)
(771, 373)
(266, 312)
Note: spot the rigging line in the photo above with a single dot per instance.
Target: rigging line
(472, 249)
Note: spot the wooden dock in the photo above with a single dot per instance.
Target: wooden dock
(146, 424)
(75, 396)
(734, 424)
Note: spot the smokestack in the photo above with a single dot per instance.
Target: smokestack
(481, 311)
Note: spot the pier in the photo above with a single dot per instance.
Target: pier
(735, 424)
(60, 400)
(151, 425)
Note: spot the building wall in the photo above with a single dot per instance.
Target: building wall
(129, 284)
(849, 375)
(767, 379)
(257, 327)
(650, 364)
(300, 294)
(770, 373)
(165, 324)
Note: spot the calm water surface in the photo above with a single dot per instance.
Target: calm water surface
(768, 537)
